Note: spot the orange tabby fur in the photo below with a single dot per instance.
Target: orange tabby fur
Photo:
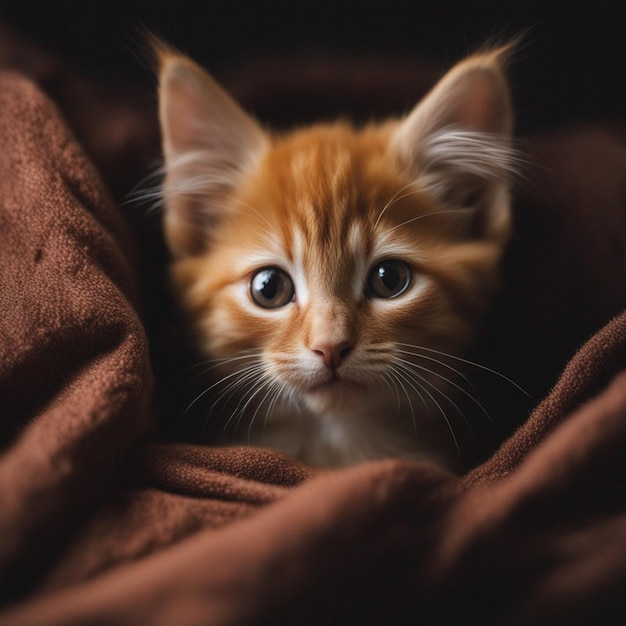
(337, 375)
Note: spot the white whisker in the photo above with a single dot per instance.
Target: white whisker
(439, 362)
(270, 388)
(450, 382)
(396, 198)
(212, 364)
(398, 377)
(279, 388)
(239, 385)
(395, 388)
(420, 217)
(443, 413)
(466, 361)
(246, 397)
(260, 385)
(436, 389)
(272, 229)
(233, 387)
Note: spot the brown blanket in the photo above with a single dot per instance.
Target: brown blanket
(99, 523)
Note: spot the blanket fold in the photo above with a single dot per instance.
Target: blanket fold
(74, 373)
(103, 519)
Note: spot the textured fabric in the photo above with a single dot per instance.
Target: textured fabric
(105, 520)
(74, 373)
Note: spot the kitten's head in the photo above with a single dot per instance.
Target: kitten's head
(325, 261)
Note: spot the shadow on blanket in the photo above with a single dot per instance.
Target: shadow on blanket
(100, 524)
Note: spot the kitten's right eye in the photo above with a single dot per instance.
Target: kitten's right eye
(271, 288)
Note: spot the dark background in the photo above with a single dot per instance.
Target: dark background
(571, 65)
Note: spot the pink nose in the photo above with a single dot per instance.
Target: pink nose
(333, 354)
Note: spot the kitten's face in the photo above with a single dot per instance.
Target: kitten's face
(329, 267)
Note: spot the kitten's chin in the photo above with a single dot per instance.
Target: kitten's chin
(336, 397)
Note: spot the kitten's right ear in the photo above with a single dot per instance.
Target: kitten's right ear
(208, 142)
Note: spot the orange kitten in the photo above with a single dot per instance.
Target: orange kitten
(327, 271)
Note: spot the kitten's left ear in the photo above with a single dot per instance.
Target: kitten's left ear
(209, 144)
(457, 141)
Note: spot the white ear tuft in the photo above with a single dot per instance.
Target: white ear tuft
(457, 141)
(209, 143)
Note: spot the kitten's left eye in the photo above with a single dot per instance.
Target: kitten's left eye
(271, 288)
(389, 279)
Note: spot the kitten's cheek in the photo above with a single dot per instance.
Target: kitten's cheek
(230, 328)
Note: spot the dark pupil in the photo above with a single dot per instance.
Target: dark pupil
(269, 285)
(389, 276)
